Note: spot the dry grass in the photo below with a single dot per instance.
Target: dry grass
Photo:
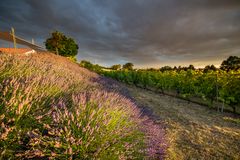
(193, 131)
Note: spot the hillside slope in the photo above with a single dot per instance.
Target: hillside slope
(52, 108)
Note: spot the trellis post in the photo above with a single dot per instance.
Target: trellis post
(217, 91)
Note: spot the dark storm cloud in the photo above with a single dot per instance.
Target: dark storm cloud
(145, 32)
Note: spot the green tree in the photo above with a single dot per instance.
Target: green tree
(128, 66)
(165, 68)
(90, 66)
(232, 63)
(62, 45)
(191, 67)
(86, 64)
(209, 68)
(116, 67)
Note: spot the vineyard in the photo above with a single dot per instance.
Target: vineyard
(220, 89)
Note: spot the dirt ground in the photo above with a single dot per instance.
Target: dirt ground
(193, 131)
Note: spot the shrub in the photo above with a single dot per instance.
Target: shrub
(53, 109)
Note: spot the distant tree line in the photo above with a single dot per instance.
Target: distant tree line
(90, 66)
(60, 44)
(231, 63)
(127, 66)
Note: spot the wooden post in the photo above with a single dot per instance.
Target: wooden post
(222, 107)
(217, 91)
(14, 38)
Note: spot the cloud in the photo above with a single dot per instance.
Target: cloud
(147, 33)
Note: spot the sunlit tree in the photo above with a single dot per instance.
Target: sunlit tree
(62, 45)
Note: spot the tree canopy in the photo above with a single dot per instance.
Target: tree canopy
(209, 68)
(232, 63)
(128, 66)
(191, 67)
(116, 67)
(165, 68)
(61, 44)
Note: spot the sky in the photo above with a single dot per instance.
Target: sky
(148, 33)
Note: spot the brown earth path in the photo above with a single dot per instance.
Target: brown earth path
(193, 131)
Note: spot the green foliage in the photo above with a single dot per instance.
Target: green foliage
(86, 64)
(128, 66)
(208, 85)
(116, 67)
(62, 45)
(90, 66)
(72, 58)
(209, 68)
(48, 111)
(232, 63)
(191, 67)
(165, 68)
(230, 90)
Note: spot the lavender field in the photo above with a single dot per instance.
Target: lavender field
(120, 80)
(50, 108)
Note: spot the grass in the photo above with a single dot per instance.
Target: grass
(52, 108)
(193, 131)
